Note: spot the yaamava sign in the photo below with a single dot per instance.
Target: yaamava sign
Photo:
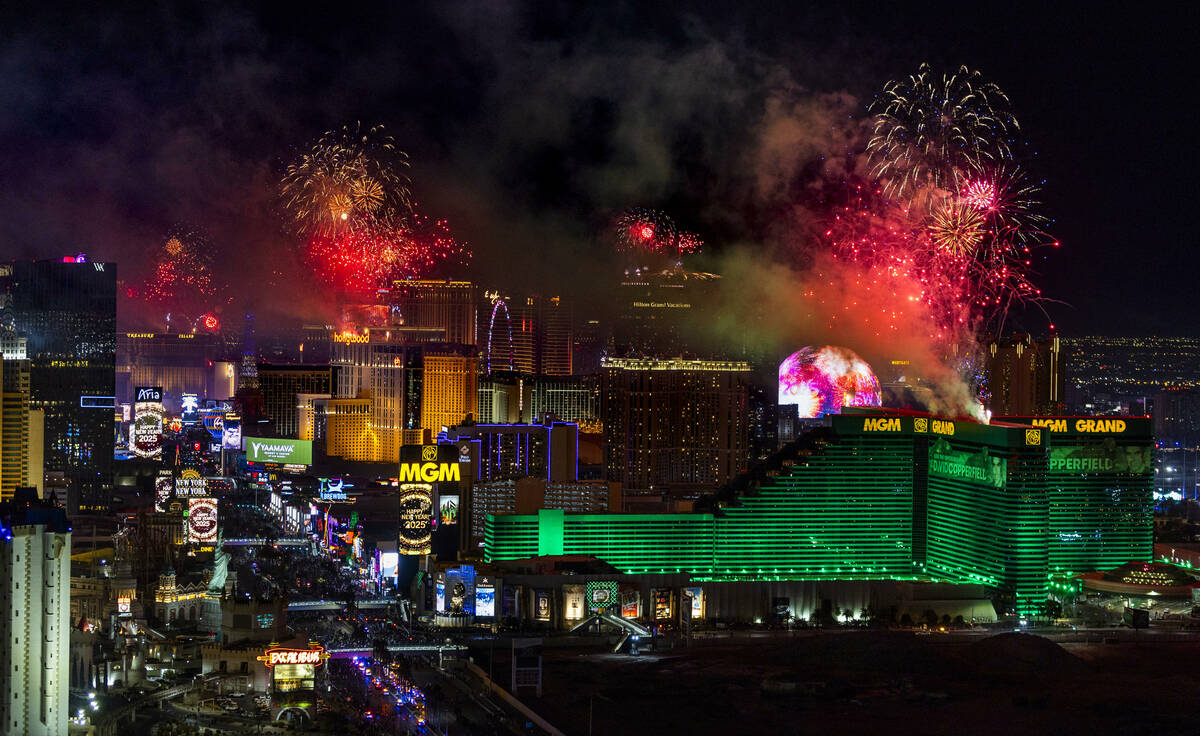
(283, 452)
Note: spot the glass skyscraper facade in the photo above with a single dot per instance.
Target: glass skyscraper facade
(67, 312)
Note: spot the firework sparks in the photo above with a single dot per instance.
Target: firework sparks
(371, 258)
(350, 178)
(955, 228)
(926, 128)
(349, 199)
(979, 194)
(182, 278)
(642, 232)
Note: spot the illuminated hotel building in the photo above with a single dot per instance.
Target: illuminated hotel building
(531, 335)
(14, 428)
(281, 384)
(516, 467)
(548, 449)
(504, 398)
(414, 389)
(67, 312)
(450, 391)
(181, 363)
(674, 426)
(342, 428)
(657, 309)
(531, 494)
(306, 415)
(447, 308)
(569, 398)
(1024, 376)
(1096, 490)
(896, 497)
(35, 624)
(175, 603)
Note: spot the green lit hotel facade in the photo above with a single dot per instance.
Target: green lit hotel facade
(885, 496)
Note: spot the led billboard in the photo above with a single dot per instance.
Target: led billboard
(231, 432)
(416, 515)
(278, 451)
(202, 520)
(146, 434)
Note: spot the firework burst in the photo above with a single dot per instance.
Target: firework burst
(349, 179)
(642, 232)
(926, 128)
(348, 198)
(182, 273)
(369, 258)
(956, 228)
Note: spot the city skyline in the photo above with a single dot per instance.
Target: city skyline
(531, 367)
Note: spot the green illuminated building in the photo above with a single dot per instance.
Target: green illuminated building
(1099, 481)
(894, 496)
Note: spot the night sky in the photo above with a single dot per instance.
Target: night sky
(530, 125)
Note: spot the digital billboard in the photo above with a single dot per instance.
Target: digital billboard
(164, 488)
(416, 515)
(231, 432)
(278, 451)
(696, 595)
(332, 489)
(146, 433)
(485, 599)
(202, 520)
(601, 594)
(189, 408)
(190, 484)
(630, 603)
(573, 601)
(447, 509)
(822, 381)
(661, 598)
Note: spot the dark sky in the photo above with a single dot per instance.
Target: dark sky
(529, 125)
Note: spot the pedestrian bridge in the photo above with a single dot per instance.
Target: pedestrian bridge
(367, 651)
(339, 605)
(265, 542)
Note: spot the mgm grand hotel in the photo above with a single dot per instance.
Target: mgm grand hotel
(883, 500)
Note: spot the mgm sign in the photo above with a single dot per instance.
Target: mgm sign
(433, 465)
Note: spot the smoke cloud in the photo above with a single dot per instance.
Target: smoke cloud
(778, 308)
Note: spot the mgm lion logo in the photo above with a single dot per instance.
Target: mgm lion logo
(921, 424)
(429, 453)
(1033, 436)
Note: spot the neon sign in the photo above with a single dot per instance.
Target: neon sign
(280, 655)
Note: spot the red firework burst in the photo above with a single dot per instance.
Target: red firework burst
(372, 258)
